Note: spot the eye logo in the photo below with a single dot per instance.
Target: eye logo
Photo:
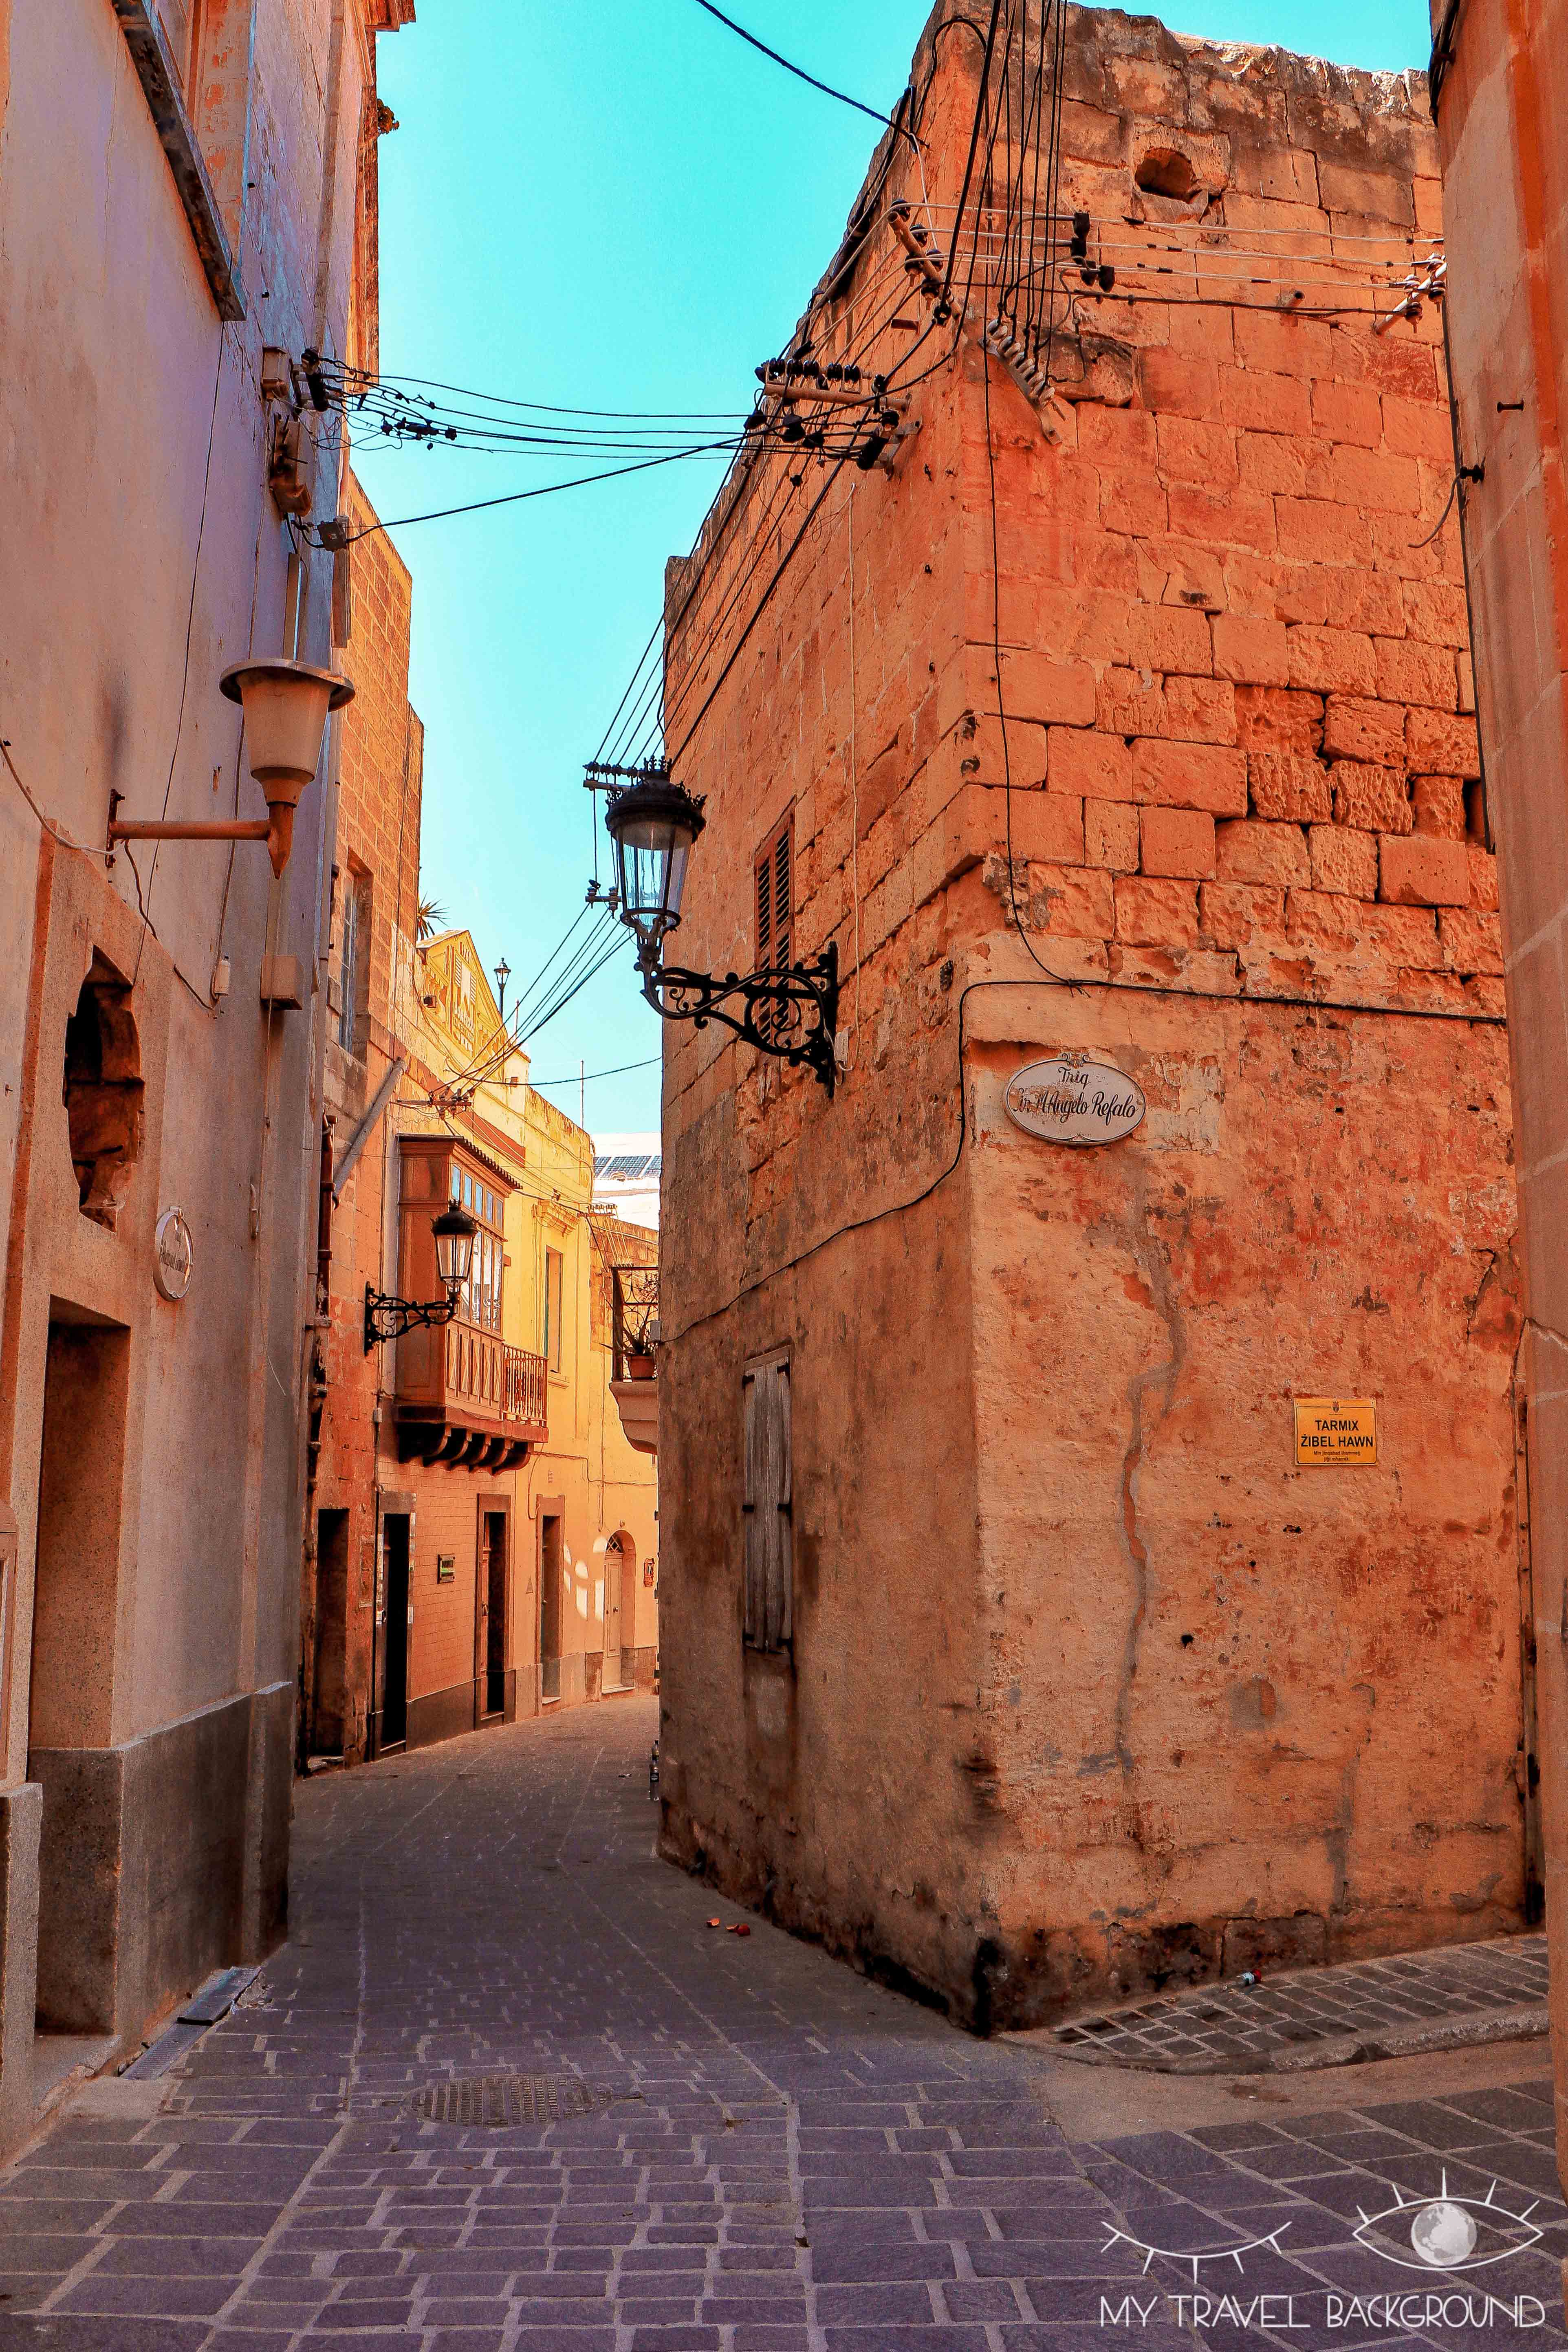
(1194, 2262)
(1444, 2232)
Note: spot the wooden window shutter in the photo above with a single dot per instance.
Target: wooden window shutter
(783, 859)
(776, 910)
(766, 1507)
(764, 905)
(775, 896)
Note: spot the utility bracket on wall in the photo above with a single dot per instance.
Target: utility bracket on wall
(925, 267)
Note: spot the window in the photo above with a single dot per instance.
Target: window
(774, 879)
(552, 1309)
(765, 1506)
(353, 980)
(481, 1302)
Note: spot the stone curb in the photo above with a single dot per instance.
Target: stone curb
(1472, 2033)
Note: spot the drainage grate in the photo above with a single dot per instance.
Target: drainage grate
(499, 2101)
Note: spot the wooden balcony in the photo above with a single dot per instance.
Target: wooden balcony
(463, 1397)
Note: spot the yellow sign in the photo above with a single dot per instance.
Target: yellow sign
(1332, 1430)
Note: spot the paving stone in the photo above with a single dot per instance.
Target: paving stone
(796, 2160)
(1217, 2031)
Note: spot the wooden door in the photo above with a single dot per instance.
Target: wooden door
(393, 1674)
(493, 1604)
(549, 1603)
(614, 1585)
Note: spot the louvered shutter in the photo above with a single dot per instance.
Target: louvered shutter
(783, 882)
(769, 1565)
(775, 911)
(764, 906)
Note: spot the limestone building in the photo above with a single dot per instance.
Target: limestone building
(481, 1541)
(1501, 102)
(1109, 704)
(187, 203)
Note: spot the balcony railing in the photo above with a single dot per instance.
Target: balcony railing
(499, 1383)
(463, 1396)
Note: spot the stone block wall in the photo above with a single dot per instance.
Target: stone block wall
(1501, 110)
(376, 849)
(1140, 722)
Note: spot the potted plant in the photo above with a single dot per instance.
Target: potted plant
(642, 1338)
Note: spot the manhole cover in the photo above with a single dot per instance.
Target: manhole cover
(500, 2101)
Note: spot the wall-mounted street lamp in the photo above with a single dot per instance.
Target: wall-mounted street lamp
(388, 1319)
(790, 1010)
(286, 704)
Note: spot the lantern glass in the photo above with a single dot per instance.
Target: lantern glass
(654, 825)
(453, 1230)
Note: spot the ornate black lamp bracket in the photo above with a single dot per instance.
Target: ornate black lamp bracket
(388, 1319)
(791, 1013)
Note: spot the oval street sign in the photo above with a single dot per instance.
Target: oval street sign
(172, 1254)
(1074, 1099)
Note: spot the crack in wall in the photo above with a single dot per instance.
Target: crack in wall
(1472, 1305)
(1336, 1840)
(1151, 1264)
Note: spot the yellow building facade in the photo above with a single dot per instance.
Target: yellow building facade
(488, 1545)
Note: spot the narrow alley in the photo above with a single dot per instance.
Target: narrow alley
(706, 2140)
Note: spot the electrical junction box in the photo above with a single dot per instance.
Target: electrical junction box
(277, 374)
(283, 982)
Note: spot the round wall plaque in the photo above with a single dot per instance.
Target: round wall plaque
(1072, 1098)
(172, 1254)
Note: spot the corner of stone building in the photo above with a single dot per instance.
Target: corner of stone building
(21, 1823)
(269, 1804)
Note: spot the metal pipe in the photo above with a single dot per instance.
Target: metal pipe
(132, 828)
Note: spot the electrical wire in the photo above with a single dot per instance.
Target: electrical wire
(602, 940)
(799, 71)
(144, 904)
(675, 701)
(740, 579)
(578, 1078)
(382, 376)
(761, 608)
(53, 830)
(506, 1041)
(512, 499)
(541, 1020)
(1001, 698)
(973, 140)
(676, 693)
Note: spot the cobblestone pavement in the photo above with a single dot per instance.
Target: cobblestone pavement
(1464, 1993)
(775, 2155)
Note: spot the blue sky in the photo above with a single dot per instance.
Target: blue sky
(614, 203)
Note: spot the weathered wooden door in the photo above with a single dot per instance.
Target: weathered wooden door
(766, 1503)
(391, 1676)
(614, 1585)
(493, 1610)
(550, 1604)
